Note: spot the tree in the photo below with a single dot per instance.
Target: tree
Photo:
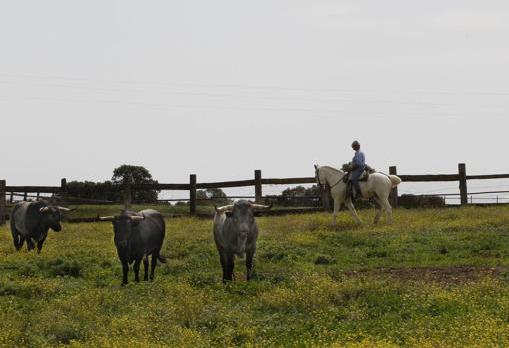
(297, 196)
(211, 196)
(93, 190)
(136, 175)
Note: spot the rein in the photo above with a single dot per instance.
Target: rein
(340, 179)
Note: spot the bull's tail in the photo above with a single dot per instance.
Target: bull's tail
(395, 180)
(161, 259)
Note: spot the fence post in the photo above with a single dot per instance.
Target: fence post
(11, 200)
(2, 202)
(63, 185)
(192, 194)
(393, 170)
(127, 194)
(462, 171)
(258, 186)
(25, 196)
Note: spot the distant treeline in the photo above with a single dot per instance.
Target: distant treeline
(296, 196)
(109, 190)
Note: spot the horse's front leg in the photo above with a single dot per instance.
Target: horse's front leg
(337, 205)
(350, 207)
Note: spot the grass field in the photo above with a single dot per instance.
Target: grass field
(435, 278)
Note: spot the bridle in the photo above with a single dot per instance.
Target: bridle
(317, 176)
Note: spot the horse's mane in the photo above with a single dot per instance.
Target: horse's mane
(333, 169)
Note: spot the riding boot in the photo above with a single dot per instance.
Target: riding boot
(356, 192)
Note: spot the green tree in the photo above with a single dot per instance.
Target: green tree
(213, 196)
(136, 175)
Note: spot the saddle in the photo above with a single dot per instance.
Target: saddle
(364, 177)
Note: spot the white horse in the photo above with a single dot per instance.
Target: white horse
(378, 186)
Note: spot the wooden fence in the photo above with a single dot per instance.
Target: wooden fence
(258, 181)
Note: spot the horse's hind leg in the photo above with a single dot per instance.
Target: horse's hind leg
(350, 207)
(378, 210)
(388, 209)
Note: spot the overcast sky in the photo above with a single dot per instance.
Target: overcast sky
(220, 88)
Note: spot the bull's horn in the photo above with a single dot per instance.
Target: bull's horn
(44, 209)
(136, 218)
(106, 218)
(261, 206)
(224, 208)
(63, 209)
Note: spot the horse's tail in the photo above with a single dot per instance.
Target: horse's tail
(395, 180)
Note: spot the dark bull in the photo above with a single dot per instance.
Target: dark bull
(235, 233)
(137, 236)
(31, 221)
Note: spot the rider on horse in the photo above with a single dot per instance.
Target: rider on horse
(358, 166)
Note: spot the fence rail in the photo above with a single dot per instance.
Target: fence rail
(461, 177)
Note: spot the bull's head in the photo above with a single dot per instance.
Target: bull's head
(123, 226)
(52, 215)
(242, 215)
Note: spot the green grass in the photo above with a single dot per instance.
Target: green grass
(434, 278)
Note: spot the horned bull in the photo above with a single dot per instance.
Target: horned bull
(137, 236)
(235, 234)
(31, 221)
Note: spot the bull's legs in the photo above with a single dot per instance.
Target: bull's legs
(21, 242)
(136, 268)
(16, 237)
(153, 264)
(17, 240)
(249, 264)
(125, 270)
(222, 259)
(30, 244)
(145, 267)
(39, 244)
(229, 268)
(350, 207)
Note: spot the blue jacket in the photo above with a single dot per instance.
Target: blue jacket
(359, 161)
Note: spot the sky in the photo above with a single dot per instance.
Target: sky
(225, 87)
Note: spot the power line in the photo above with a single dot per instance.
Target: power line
(260, 97)
(266, 87)
(230, 107)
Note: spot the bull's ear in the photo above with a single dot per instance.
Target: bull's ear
(229, 214)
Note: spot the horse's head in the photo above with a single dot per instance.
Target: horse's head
(320, 181)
